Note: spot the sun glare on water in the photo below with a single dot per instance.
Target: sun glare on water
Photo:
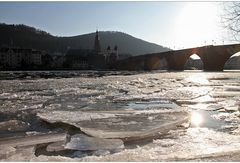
(197, 24)
(198, 78)
(196, 119)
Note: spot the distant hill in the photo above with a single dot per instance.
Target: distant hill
(29, 37)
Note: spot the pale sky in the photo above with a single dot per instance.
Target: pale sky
(172, 24)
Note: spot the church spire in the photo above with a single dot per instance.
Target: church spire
(97, 46)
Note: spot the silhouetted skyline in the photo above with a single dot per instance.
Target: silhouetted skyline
(171, 24)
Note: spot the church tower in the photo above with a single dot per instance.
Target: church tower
(116, 52)
(97, 46)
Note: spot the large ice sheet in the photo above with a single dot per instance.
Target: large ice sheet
(125, 125)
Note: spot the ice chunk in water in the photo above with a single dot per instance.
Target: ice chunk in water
(85, 143)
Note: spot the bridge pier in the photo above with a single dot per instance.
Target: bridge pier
(177, 60)
(213, 66)
(153, 63)
(214, 58)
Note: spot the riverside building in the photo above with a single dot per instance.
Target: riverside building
(13, 57)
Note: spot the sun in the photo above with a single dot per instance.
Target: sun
(197, 24)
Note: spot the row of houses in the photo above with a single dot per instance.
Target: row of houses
(13, 57)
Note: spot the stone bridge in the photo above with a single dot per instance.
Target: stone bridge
(213, 58)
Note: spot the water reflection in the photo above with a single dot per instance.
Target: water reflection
(204, 119)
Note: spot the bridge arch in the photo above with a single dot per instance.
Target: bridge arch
(232, 62)
(194, 62)
(178, 59)
(215, 57)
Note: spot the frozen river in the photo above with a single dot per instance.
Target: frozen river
(212, 99)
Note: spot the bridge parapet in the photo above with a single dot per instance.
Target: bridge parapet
(213, 58)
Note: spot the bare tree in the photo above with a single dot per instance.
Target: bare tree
(231, 18)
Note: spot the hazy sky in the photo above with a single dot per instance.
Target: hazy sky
(172, 24)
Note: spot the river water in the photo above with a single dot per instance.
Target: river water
(212, 98)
